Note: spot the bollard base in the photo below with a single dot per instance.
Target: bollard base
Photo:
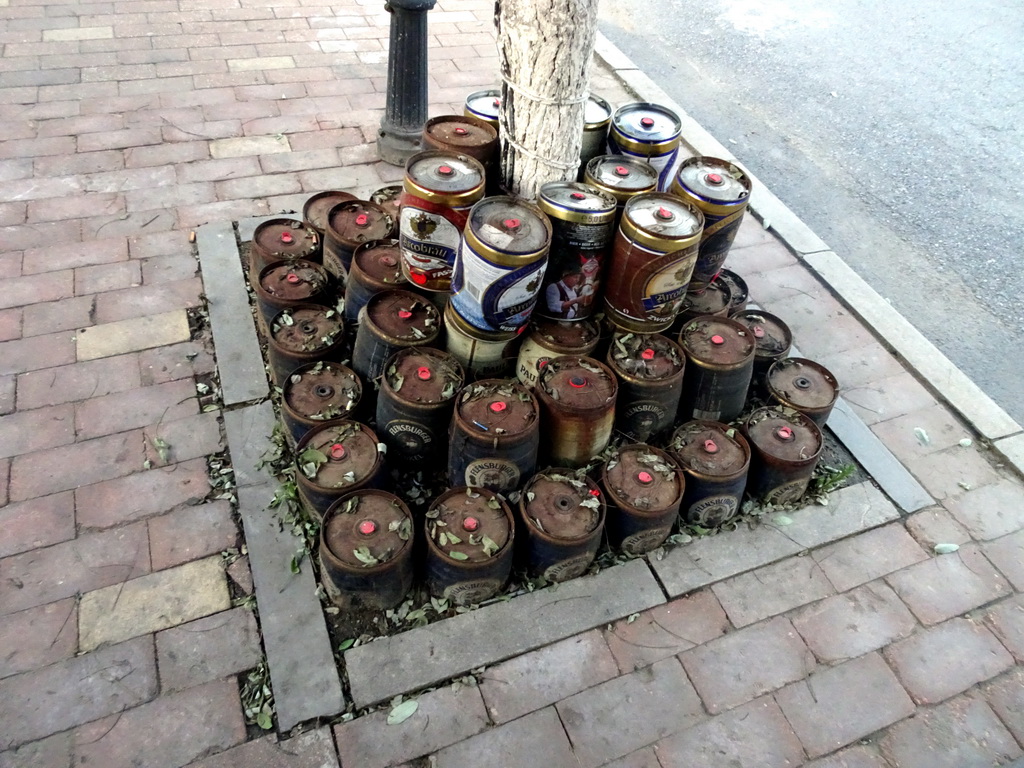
(395, 145)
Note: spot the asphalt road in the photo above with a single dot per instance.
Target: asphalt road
(895, 131)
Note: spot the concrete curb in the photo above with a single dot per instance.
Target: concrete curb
(950, 383)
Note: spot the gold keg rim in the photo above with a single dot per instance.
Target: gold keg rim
(506, 258)
(644, 148)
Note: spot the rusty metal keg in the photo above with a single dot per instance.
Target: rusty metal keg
(649, 368)
(349, 225)
(281, 239)
(644, 488)
(739, 294)
(388, 197)
(720, 362)
(786, 448)
(773, 340)
(316, 393)
(285, 284)
(563, 518)
(716, 460)
(334, 459)
(416, 402)
(804, 386)
(392, 320)
(470, 537)
(465, 135)
(376, 267)
(300, 335)
(494, 436)
(366, 550)
(316, 208)
(577, 404)
(553, 338)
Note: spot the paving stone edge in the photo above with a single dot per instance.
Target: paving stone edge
(919, 354)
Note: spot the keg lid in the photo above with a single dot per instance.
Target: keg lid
(714, 179)
(366, 528)
(567, 335)
(316, 208)
(510, 226)
(381, 261)
(643, 477)
(322, 391)
(338, 455)
(783, 434)
(469, 134)
(713, 300)
(306, 328)
(647, 356)
(404, 316)
(646, 122)
(471, 521)
(296, 280)
(664, 216)
(485, 104)
(710, 448)
(357, 221)
(717, 341)
(596, 112)
(738, 291)
(625, 175)
(771, 334)
(568, 197)
(446, 172)
(802, 383)
(389, 198)
(285, 239)
(577, 383)
(423, 375)
(497, 407)
(562, 505)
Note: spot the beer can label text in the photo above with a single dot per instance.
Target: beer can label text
(492, 297)
(429, 243)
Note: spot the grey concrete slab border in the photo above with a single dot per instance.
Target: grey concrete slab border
(437, 652)
(1012, 449)
(239, 361)
(300, 657)
(715, 558)
(962, 394)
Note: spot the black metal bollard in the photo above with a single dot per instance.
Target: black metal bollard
(406, 108)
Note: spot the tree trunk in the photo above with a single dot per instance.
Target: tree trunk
(544, 48)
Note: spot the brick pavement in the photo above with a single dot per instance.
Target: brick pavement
(125, 123)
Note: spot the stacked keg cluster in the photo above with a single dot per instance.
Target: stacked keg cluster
(594, 332)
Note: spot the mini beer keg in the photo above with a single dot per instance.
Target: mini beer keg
(483, 355)
(470, 536)
(390, 321)
(563, 518)
(288, 284)
(281, 240)
(389, 198)
(553, 338)
(721, 190)
(300, 335)
(804, 386)
(376, 267)
(349, 225)
(621, 177)
(652, 259)
(644, 489)
(577, 405)
(786, 448)
(316, 208)
(494, 436)
(649, 369)
(315, 393)
(415, 405)
(715, 459)
(739, 294)
(713, 300)
(484, 105)
(720, 361)
(334, 459)
(440, 188)
(772, 339)
(597, 115)
(582, 230)
(500, 264)
(649, 132)
(465, 135)
(366, 550)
